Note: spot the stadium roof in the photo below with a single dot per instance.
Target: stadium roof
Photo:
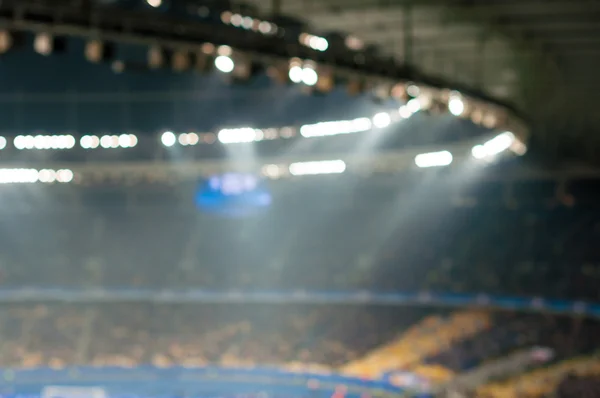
(541, 54)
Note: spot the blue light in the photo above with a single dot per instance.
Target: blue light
(233, 194)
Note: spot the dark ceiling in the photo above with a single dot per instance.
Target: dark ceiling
(543, 55)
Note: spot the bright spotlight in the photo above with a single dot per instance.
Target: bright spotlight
(478, 152)
(64, 176)
(106, 141)
(2, 142)
(404, 112)
(414, 105)
(317, 167)
(382, 119)
(224, 63)
(433, 159)
(239, 135)
(456, 106)
(154, 3)
(495, 146)
(168, 138)
(309, 76)
(296, 74)
(125, 141)
(47, 176)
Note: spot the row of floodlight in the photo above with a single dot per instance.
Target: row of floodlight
(322, 129)
(225, 136)
(380, 120)
(265, 27)
(487, 151)
(68, 141)
(30, 176)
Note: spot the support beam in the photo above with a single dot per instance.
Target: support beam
(407, 34)
(276, 7)
(520, 8)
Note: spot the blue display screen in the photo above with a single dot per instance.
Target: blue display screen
(233, 194)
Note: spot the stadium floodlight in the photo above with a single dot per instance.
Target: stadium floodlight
(433, 159)
(127, 140)
(224, 63)
(47, 176)
(296, 74)
(479, 152)
(493, 147)
(382, 120)
(309, 76)
(404, 112)
(188, 139)
(106, 141)
(43, 43)
(239, 135)
(64, 176)
(413, 90)
(318, 43)
(336, 127)
(89, 142)
(2, 142)
(168, 138)
(456, 106)
(317, 167)
(18, 176)
(414, 105)
(154, 3)
(266, 27)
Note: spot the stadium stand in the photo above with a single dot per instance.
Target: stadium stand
(427, 338)
(110, 240)
(544, 381)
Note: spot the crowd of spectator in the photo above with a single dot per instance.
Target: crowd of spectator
(574, 386)
(363, 341)
(321, 337)
(329, 236)
(509, 332)
(575, 376)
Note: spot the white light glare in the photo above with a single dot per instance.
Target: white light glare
(413, 106)
(64, 175)
(127, 140)
(188, 139)
(315, 42)
(154, 3)
(224, 63)
(30, 176)
(309, 76)
(168, 138)
(382, 120)
(456, 106)
(318, 167)
(18, 176)
(89, 142)
(2, 142)
(336, 127)
(404, 112)
(493, 147)
(296, 74)
(44, 142)
(433, 159)
(318, 43)
(47, 176)
(240, 135)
